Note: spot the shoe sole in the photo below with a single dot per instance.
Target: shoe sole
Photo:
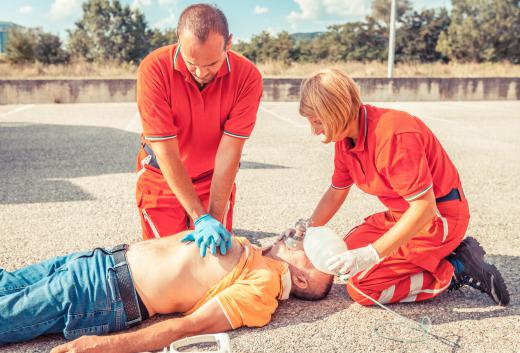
(497, 281)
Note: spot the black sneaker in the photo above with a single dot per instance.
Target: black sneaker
(477, 273)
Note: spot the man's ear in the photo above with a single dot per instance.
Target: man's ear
(229, 41)
(299, 280)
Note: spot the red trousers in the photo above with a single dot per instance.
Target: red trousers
(417, 270)
(161, 212)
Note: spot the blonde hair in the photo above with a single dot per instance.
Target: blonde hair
(332, 97)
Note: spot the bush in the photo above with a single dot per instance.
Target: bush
(21, 46)
(49, 49)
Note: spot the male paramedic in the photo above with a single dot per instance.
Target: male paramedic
(415, 249)
(198, 102)
(105, 290)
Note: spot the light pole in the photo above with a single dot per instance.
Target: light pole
(391, 42)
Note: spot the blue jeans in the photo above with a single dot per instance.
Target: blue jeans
(76, 294)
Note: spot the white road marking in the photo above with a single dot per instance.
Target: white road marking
(17, 110)
(133, 124)
(287, 120)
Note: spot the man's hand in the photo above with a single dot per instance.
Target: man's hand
(209, 232)
(353, 261)
(88, 344)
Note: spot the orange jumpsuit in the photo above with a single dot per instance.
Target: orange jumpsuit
(171, 105)
(398, 159)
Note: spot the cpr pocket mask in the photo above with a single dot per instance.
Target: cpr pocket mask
(293, 237)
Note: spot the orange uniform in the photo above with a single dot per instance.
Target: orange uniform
(249, 294)
(398, 159)
(171, 105)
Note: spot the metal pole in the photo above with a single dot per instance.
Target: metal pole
(391, 43)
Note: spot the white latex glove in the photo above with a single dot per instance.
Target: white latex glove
(353, 261)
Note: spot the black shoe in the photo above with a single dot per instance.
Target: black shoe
(477, 273)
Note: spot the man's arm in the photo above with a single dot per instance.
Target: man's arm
(176, 175)
(226, 168)
(209, 318)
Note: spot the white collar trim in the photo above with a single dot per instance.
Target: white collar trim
(286, 285)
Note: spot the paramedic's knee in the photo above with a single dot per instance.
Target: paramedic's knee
(354, 288)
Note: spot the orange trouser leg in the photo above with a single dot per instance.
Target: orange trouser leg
(159, 209)
(417, 270)
(172, 218)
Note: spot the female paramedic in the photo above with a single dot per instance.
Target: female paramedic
(415, 249)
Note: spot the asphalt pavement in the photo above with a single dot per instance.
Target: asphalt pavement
(67, 184)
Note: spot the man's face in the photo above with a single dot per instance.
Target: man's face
(294, 257)
(203, 59)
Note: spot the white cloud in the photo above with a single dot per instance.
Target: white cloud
(61, 9)
(327, 9)
(261, 10)
(341, 8)
(26, 9)
(167, 22)
(137, 4)
(166, 2)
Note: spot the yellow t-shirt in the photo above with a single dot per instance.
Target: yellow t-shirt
(249, 294)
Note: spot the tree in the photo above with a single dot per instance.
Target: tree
(109, 31)
(482, 30)
(283, 48)
(21, 46)
(380, 10)
(418, 35)
(358, 41)
(49, 49)
(158, 38)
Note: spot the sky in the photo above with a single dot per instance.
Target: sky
(245, 17)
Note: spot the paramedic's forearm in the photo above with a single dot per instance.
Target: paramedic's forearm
(329, 204)
(418, 215)
(177, 177)
(226, 168)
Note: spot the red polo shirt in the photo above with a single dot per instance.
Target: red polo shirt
(171, 104)
(396, 158)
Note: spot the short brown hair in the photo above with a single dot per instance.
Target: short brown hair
(201, 19)
(332, 97)
(319, 286)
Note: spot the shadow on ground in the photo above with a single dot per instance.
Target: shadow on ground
(37, 159)
(258, 165)
(253, 236)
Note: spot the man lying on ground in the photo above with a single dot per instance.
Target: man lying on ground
(101, 291)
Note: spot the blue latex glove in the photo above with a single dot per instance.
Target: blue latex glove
(209, 233)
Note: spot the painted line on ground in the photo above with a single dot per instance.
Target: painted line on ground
(287, 120)
(133, 124)
(17, 110)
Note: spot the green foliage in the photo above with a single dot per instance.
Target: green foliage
(265, 47)
(482, 30)
(418, 35)
(109, 31)
(48, 49)
(160, 38)
(30, 45)
(21, 46)
(475, 30)
(381, 10)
